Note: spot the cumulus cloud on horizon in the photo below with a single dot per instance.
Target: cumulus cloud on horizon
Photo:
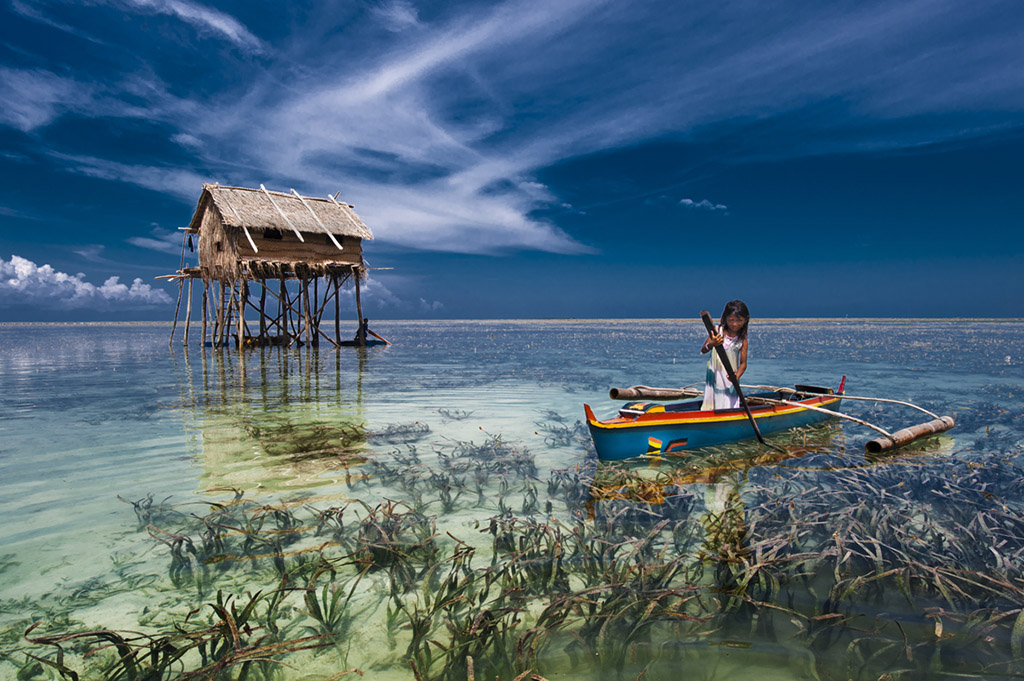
(23, 282)
(703, 204)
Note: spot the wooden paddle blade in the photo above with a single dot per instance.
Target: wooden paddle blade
(908, 435)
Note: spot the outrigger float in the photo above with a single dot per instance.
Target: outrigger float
(645, 427)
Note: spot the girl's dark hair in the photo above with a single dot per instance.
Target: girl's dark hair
(738, 308)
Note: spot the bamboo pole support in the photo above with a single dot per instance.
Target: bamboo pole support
(360, 336)
(310, 338)
(282, 303)
(263, 307)
(314, 328)
(225, 306)
(181, 287)
(310, 331)
(337, 309)
(241, 314)
(206, 295)
(188, 310)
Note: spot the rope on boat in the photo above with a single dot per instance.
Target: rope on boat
(844, 397)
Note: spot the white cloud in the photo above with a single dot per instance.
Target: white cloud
(33, 98)
(439, 134)
(172, 180)
(91, 252)
(373, 294)
(431, 306)
(396, 15)
(162, 240)
(205, 19)
(703, 204)
(23, 282)
(32, 11)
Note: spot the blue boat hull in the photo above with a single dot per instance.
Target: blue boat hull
(356, 344)
(677, 428)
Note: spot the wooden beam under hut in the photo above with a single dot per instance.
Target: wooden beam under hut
(290, 312)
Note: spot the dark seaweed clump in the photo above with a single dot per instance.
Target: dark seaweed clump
(904, 569)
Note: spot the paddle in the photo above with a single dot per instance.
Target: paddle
(732, 374)
(379, 336)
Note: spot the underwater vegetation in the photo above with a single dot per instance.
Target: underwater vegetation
(457, 561)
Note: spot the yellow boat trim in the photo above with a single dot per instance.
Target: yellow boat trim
(742, 416)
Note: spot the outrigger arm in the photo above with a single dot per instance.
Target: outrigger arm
(888, 441)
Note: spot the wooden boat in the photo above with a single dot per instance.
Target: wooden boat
(355, 343)
(656, 429)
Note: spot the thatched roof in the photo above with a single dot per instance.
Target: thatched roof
(255, 209)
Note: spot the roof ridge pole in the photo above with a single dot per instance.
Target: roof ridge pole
(335, 200)
(317, 218)
(242, 223)
(297, 232)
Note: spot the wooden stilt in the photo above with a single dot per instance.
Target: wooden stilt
(283, 306)
(360, 336)
(225, 314)
(310, 337)
(337, 309)
(206, 295)
(241, 314)
(181, 286)
(188, 310)
(316, 303)
(263, 313)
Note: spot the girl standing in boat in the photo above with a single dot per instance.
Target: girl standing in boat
(719, 392)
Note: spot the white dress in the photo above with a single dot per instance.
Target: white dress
(719, 392)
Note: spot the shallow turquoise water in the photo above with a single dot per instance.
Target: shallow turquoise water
(92, 417)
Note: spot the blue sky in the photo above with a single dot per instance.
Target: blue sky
(529, 158)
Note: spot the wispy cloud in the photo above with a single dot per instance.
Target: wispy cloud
(33, 98)
(33, 10)
(23, 282)
(91, 252)
(438, 134)
(159, 239)
(205, 19)
(173, 180)
(703, 204)
(396, 15)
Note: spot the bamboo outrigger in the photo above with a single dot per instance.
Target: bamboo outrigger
(776, 408)
(257, 237)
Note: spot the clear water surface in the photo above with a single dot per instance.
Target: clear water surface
(139, 483)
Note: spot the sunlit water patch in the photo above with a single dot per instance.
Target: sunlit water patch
(434, 509)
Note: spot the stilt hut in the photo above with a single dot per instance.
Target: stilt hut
(281, 255)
